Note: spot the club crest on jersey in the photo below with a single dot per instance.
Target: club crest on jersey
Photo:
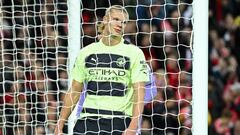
(121, 62)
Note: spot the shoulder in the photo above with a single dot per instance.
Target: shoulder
(89, 47)
(86, 50)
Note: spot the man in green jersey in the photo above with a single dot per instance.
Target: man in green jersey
(114, 73)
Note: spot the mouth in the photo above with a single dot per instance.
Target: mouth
(118, 30)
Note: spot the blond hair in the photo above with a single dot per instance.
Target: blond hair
(100, 25)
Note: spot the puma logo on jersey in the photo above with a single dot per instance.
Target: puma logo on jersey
(93, 59)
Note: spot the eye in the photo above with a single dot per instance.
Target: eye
(124, 22)
(115, 19)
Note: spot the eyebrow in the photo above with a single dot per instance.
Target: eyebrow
(119, 19)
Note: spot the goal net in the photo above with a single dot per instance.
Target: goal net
(35, 53)
(33, 65)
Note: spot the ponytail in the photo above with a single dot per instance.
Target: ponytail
(100, 27)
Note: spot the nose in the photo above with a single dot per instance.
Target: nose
(119, 24)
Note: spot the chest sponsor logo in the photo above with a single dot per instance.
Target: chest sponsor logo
(107, 72)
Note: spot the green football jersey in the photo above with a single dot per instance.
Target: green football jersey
(108, 73)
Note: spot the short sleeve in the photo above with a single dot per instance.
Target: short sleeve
(77, 73)
(139, 71)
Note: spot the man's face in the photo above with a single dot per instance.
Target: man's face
(116, 22)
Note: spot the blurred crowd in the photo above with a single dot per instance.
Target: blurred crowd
(34, 58)
(224, 68)
(33, 65)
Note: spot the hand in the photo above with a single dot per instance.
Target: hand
(129, 131)
(58, 130)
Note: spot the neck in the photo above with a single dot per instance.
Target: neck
(111, 40)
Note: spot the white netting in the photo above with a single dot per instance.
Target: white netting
(34, 61)
(33, 67)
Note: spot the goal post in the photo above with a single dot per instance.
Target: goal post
(200, 67)
(74, 45)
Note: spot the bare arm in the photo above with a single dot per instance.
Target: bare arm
(138, 105)
(70, 100)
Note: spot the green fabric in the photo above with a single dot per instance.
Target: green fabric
(138, 72)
